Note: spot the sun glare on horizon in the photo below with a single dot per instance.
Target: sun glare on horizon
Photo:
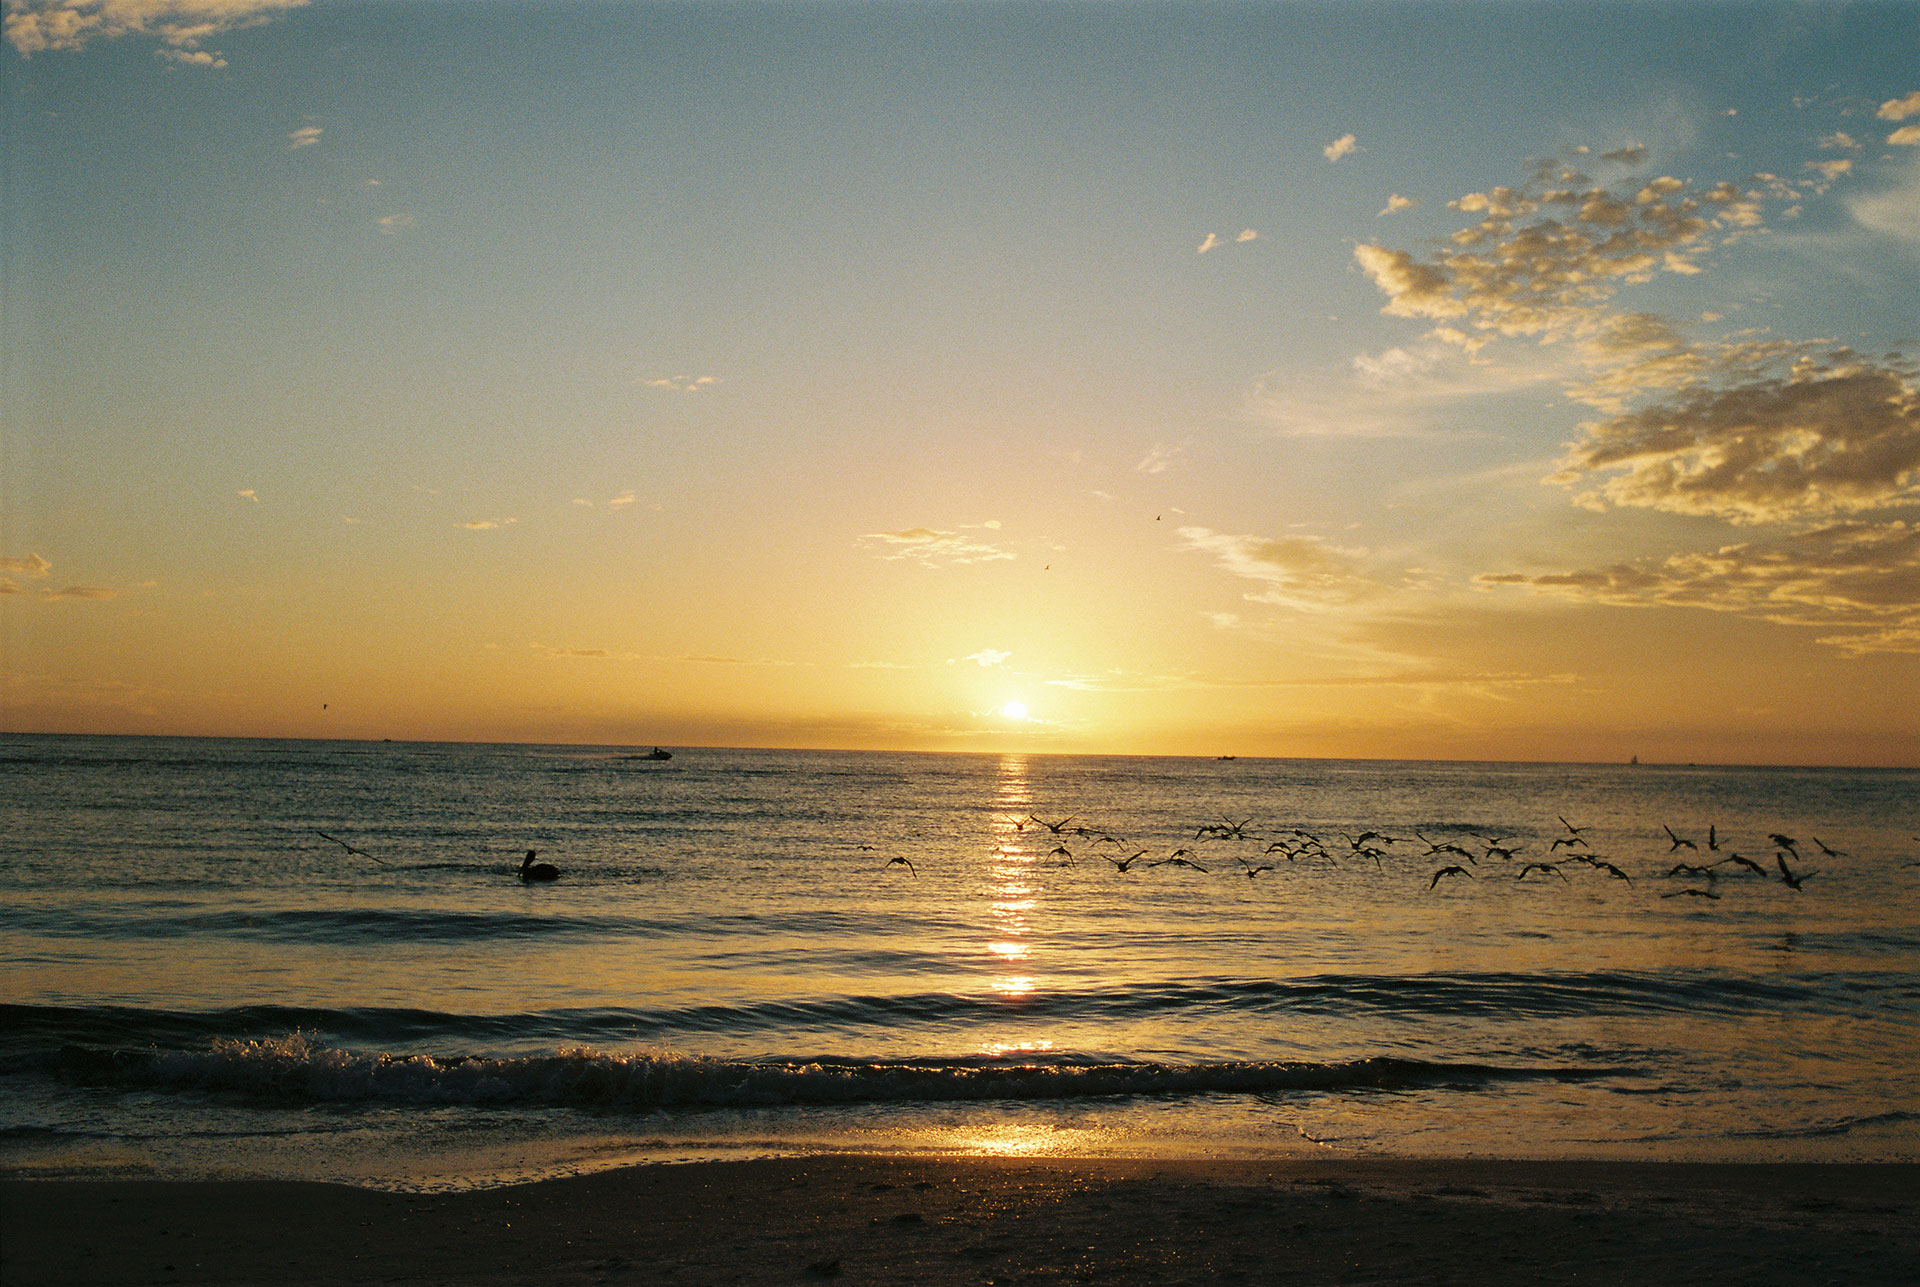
(1014, 710)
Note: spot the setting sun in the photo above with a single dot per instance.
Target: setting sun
(1014, 710)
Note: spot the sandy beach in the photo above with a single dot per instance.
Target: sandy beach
(977, 1221)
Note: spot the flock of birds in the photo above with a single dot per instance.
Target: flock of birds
(1498, 856)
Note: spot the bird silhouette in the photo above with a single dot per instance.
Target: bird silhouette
(531, 871)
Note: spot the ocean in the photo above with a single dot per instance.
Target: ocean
(753, 952)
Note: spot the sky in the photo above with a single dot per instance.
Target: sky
(1375, 379)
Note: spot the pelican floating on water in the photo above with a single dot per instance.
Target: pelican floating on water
(531, 871)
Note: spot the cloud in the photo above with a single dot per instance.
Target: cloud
(1544, 258)
(394, 224)
(1342, 146)
(80, 592)
(1302, 572)
(1768, 433)
(1839, 140)
(1214, 241)
(1395, 203)
(931, 547)
(1832, 170)
(1860, 578)
(1905, 136)
(488, 524)
(1894, 212)
(305, 136)
(181, 26)
(1396, 393)
(987, 657)
(248, 494)
(1899, 109)
(10, 587)
(28, 565)
(622, 500)
(681, 383)
(1159, 458)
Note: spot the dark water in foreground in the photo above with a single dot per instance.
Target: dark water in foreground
(197, 982)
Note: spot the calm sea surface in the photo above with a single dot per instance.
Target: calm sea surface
(197, 982)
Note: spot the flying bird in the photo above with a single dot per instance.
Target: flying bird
(349, 848)
(1449, 871)
(1678, 841)
(902, 862)
(1788, 877)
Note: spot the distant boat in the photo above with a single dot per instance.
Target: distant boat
(1226, 757)
(657, 754)
(1633, 759)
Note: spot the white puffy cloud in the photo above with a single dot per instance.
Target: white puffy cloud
(181, 26)
(1345, 145)
(1395, 203)
(1905, 136)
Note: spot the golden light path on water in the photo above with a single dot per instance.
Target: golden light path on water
(1011, 896)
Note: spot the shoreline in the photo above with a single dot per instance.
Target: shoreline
(974, 1220)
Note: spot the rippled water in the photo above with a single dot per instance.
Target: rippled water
(200, 982)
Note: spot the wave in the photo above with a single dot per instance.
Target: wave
(1493, 997)
(295, 1069)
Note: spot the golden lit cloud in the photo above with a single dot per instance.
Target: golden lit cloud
(1345, 145)
(488, 524)
(681, 383)
(1863, 577)
(28, 565)
(1396, 203)
(934, 548)
(181, 26)
(1899, 109)
(1768, 433)
(305, 136)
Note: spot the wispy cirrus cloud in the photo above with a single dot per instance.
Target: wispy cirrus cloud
(305, 136)
(934, 547)
(488, 524)
(26, 565)
(181, 27)
(1301, 572)
(681, 383)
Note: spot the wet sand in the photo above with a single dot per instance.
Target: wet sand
(976, 1221)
